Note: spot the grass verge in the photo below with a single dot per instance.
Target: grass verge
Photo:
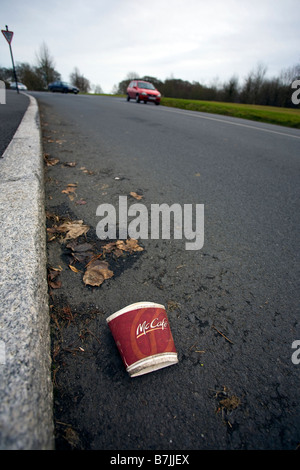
(274, 115)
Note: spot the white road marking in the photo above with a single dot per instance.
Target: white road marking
(201, 116)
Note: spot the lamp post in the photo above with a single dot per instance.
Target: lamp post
(8, 36)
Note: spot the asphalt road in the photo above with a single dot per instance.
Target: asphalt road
(11, 114)
(233, 305)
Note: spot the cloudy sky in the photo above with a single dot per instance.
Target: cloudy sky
(195, 40)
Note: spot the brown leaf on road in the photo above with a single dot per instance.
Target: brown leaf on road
(73, 229)
(81, 252)
(109, 247)
(70, 191)
(85, 170)
(75, 270)
(50, 161)
(96, 273)
(71, 188)
(70, 164)
(79, 247)
(230, 403)
(130, 245)
(135, 195)
(53, 282)
(52, 216)
(50, 237)
(58, 269)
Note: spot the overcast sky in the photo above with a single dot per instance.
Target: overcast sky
(195, 40)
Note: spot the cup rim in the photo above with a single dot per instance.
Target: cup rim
(134, 306)
(152, 363)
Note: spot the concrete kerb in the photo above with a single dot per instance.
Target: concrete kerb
(26, 413)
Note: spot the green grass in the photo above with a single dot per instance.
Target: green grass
(274, 115)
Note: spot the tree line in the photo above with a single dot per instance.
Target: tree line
(37, 77)
(256, 88)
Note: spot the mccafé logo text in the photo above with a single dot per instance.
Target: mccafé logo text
(146, 327)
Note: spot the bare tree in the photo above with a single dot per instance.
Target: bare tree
(30, 76)
(132, 76)
(231, 90)
(98, 90)
(290, 74)
(122, 87)
(77, 79)
(252, 87)
(46, 65)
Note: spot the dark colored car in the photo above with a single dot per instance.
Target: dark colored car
(140, 90)
(63, 87)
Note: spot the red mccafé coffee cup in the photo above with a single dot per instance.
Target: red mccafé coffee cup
(143, 336)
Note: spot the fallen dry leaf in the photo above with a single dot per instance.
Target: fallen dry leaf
(96, 273)
(70, 191)
(59, 268)
(71, 188)
(135, 195)
(85, 170)
(79, 247)
(51, 235)
(73, 229)
(94, 260)
(50, 161)
(51, 215)
(75, 270)
(230, 403)
(81, 252)
(131, 245)
(109, 247)
(72, 437)
(71, 164)
(53, 282)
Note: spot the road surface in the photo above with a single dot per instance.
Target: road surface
(11, 114)
(233, 304)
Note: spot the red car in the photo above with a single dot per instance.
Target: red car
(140, 90)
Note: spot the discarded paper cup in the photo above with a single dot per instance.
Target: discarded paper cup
(143, 336)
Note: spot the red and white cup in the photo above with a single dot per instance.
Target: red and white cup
(143, 336)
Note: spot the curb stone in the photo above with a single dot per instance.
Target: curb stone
(26, 418)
